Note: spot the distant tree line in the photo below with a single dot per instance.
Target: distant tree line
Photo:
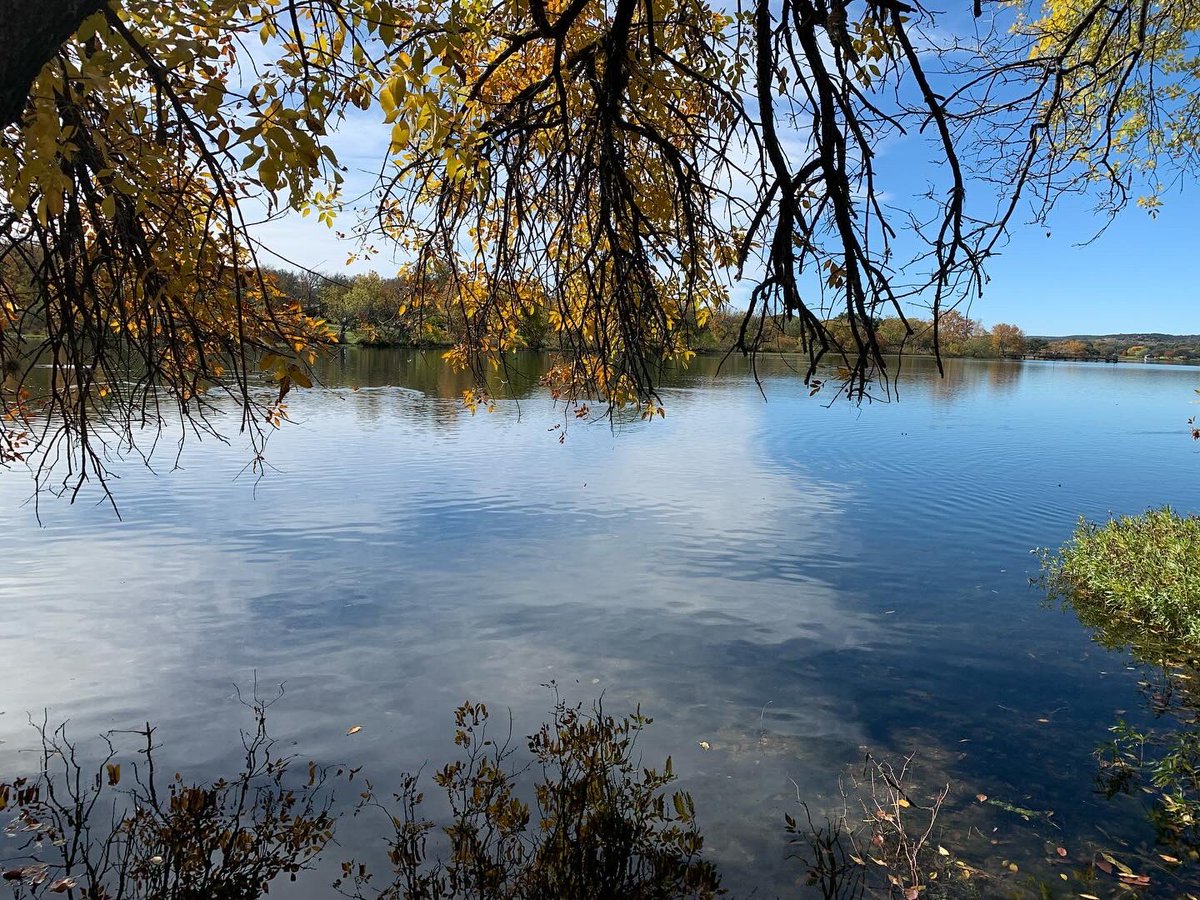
(1184, 348)
(958, 335)
(373, 310)
(408, 309)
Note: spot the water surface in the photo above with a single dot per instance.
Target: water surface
(786, 581)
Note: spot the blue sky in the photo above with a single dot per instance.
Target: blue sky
(1137, 276)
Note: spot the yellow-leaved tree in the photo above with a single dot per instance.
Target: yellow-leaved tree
(144, 142)
(1089, 97)
(1125, 101)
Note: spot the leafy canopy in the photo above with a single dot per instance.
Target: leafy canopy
(1126, 102)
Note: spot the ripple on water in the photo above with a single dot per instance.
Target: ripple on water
(783, 581)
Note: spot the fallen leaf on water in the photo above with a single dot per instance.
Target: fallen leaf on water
(1012, 867)
(1062, 851)
(982, 798)
(1139, 880)
(62, 885)
(1104, 867)
(1121, 867)
(705, 745)
(1168, 859)
(355, 729)
(942, 851)
(912, 894)
(903, 803)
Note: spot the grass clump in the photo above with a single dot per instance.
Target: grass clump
(1135, 583)
(1135, 580)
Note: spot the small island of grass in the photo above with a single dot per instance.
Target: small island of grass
(1134, 580)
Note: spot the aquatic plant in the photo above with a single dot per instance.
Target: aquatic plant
(108, 831)
(883, 841)
(605, 826)
(600, 825)
(1134, 581)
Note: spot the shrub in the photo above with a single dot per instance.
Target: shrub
(1135, 581)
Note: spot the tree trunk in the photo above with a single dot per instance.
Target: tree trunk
(30, 32)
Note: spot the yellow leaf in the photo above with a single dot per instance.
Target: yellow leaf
(387, 99)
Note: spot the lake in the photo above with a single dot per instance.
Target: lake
(780, 583)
